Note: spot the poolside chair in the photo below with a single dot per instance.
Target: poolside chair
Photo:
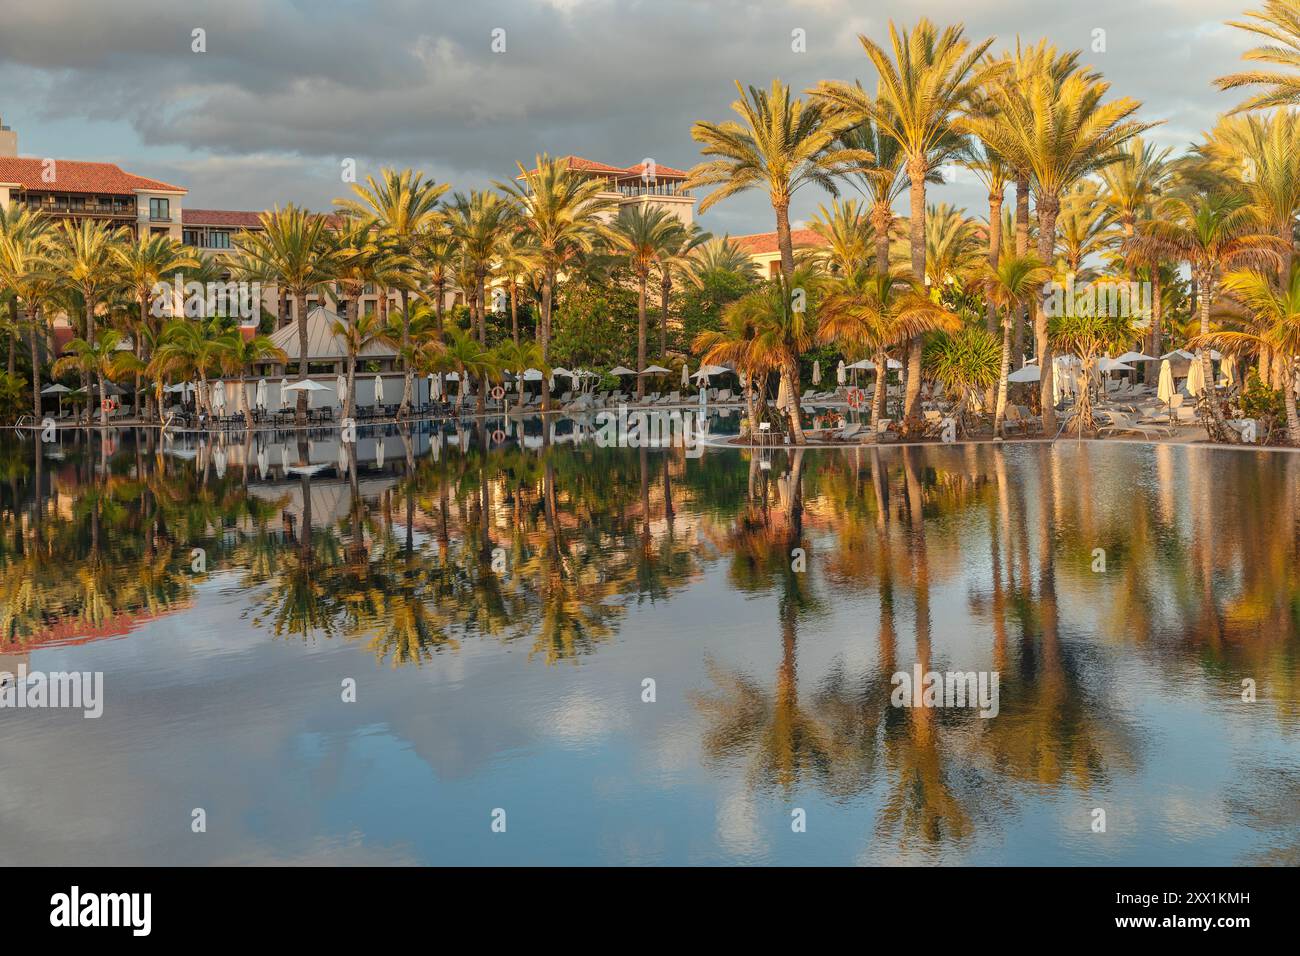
(1123, 423)
(724, 395)
(849, 432)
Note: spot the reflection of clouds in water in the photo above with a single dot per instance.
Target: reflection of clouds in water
(738, 828)
(583, 720)
(1189, 815)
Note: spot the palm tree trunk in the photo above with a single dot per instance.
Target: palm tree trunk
(1022, 249)
(995, 248)
(665, 290)
(300, 306)
(1292, 419)
(13, 336)
(640, 337)
(349, 403)
(1000, 409)
(1212, 399)
(480, 277)
(881, 393)
(783, 241)
(790, 372)
(514, 312)
(35, 318)
(1048, 207)
(881, 217)
(916, 170)
(408, 372)
(548, 282)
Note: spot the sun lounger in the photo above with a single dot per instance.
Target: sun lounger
(1123, 423)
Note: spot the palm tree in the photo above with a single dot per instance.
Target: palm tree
(870, 312)
(26, 270)
(731, 344)
(781, 144)
(1008, 287)
(1213, 233)
(1063, 130)
(1275, 326)
(466, 356)
(881, 180)
(87, 262)
(849, 240)
(784, 327)
(1085, 226)
(403, 204)
(565, 215)
(966, 363)
(358, 333)
(995, 173)
(190, 350)
(676, 258)
(640, 234)
(932, 77)
(478, 223)
(237, 355)
(292, 246)
(1090, 335)
(437, 252)
(1279, 23)
(952, 246)
(145, 263)
(719, 256)
(517, 264)
(103, 358)
(518, 357)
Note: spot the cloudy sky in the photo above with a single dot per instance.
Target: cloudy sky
(289, 89)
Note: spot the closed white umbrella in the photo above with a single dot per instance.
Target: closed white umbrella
(817, 372)
(261, 463)
(839, 373)
(686, 375)
(379, 390)
(435, 387)
(259, 398)
(343, 460)
(379, 453)
(219, 461)
(1229, 372)
(1195, 379)
(284, 398)
(1165, 388)
(341, 384)
(219, 397)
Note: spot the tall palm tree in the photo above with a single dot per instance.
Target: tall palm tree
(847, 235)
(995, 173)
(358, 332)
(952, 245)
(292, 246)
(436, 252)
(720, 256)
(25, 227)
(403, 204)
(870, 312)
(478, 223)
(784, 327)
(87, 262)
(26, 269)
(104, 359)
(931, 77)
(518, 357)
(1007, 286)
(517, 264)
(237, 355)
(1063, 130)
(565, 214)
(640, 234)
(1213, 233)
(780, 144)
(881, 180)
(1086, 227)
(1278, 23)
(1275, 326)
(731, 343)
(466, 356)
(145, 263)
(188, 350)
(675, 259)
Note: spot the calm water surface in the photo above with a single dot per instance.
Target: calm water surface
(500, 604)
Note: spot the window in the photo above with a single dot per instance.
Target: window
(160, 209)
(190, 237)
(219, 240)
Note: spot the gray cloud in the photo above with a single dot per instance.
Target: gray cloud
(287, 89)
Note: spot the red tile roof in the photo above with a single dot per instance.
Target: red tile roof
(763, 242)
(661, 171)
(74, 176)
(221, 217)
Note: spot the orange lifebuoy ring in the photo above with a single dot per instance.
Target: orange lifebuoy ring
(498, 392)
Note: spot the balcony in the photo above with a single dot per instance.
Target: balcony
(72, 207)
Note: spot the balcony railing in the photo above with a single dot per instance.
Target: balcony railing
(64, 207)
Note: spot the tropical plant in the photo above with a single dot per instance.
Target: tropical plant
(1279, 23)
(1007, 287)
(641, 234)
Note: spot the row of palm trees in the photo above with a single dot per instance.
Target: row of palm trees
(1035, 119)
